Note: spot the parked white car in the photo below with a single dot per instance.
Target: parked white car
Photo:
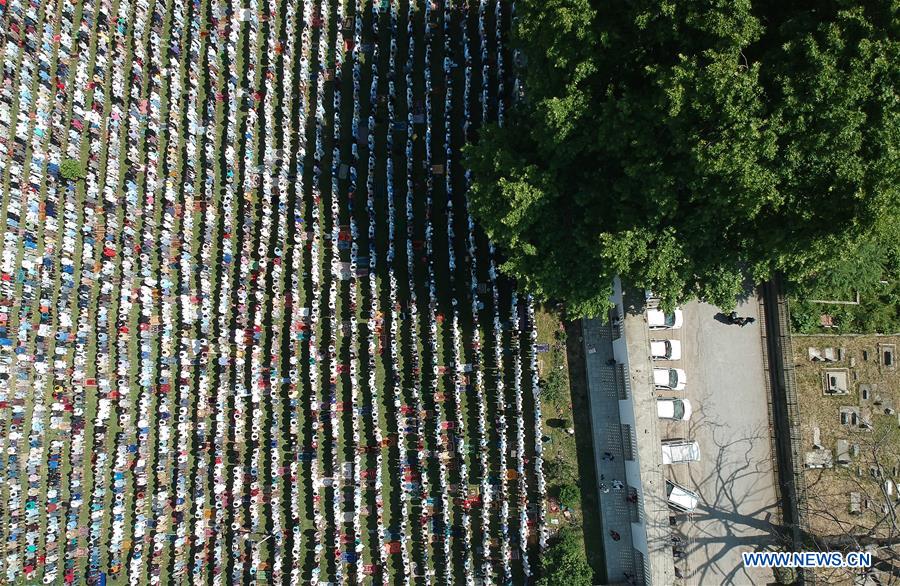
(677, 409)
(669, 378)
(681, 498)
(665, 349)
(677, 451)
(657, 319)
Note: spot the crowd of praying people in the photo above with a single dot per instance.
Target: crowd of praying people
(142, 429)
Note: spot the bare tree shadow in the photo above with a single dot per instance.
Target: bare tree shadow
(727, 519)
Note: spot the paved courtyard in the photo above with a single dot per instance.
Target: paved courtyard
(735, 477)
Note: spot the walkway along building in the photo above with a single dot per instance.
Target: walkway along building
(635, 518)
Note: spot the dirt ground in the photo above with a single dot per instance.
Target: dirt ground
(873, 466)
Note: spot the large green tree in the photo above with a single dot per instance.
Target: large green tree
(564, 563)
(689, 146)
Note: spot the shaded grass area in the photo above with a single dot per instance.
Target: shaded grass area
(861, 291)
(569, 458)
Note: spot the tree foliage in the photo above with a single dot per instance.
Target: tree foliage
(71, 169)
(569, 495)
(565, 563)
(555, 385)
(690, 146)
(869, 270)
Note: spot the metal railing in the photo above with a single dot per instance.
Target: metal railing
(629, 444)
(623, 383)
(785, 410)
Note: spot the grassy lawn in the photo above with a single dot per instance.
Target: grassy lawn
(568, 455)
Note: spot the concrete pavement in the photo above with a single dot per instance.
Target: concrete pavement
(735, 477)
(615, 512)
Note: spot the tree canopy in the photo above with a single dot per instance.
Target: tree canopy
(71, 169)
(569, 495)
(691, 146)
(565, 564)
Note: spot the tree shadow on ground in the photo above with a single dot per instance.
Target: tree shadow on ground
(584, 442)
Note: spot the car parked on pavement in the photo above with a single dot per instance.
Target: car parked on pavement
(680, 498)
(669, 378)
(665, 349)
(671, 408)
(658, 319)
(677, 451)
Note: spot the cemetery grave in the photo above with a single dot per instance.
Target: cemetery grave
(849, 430)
